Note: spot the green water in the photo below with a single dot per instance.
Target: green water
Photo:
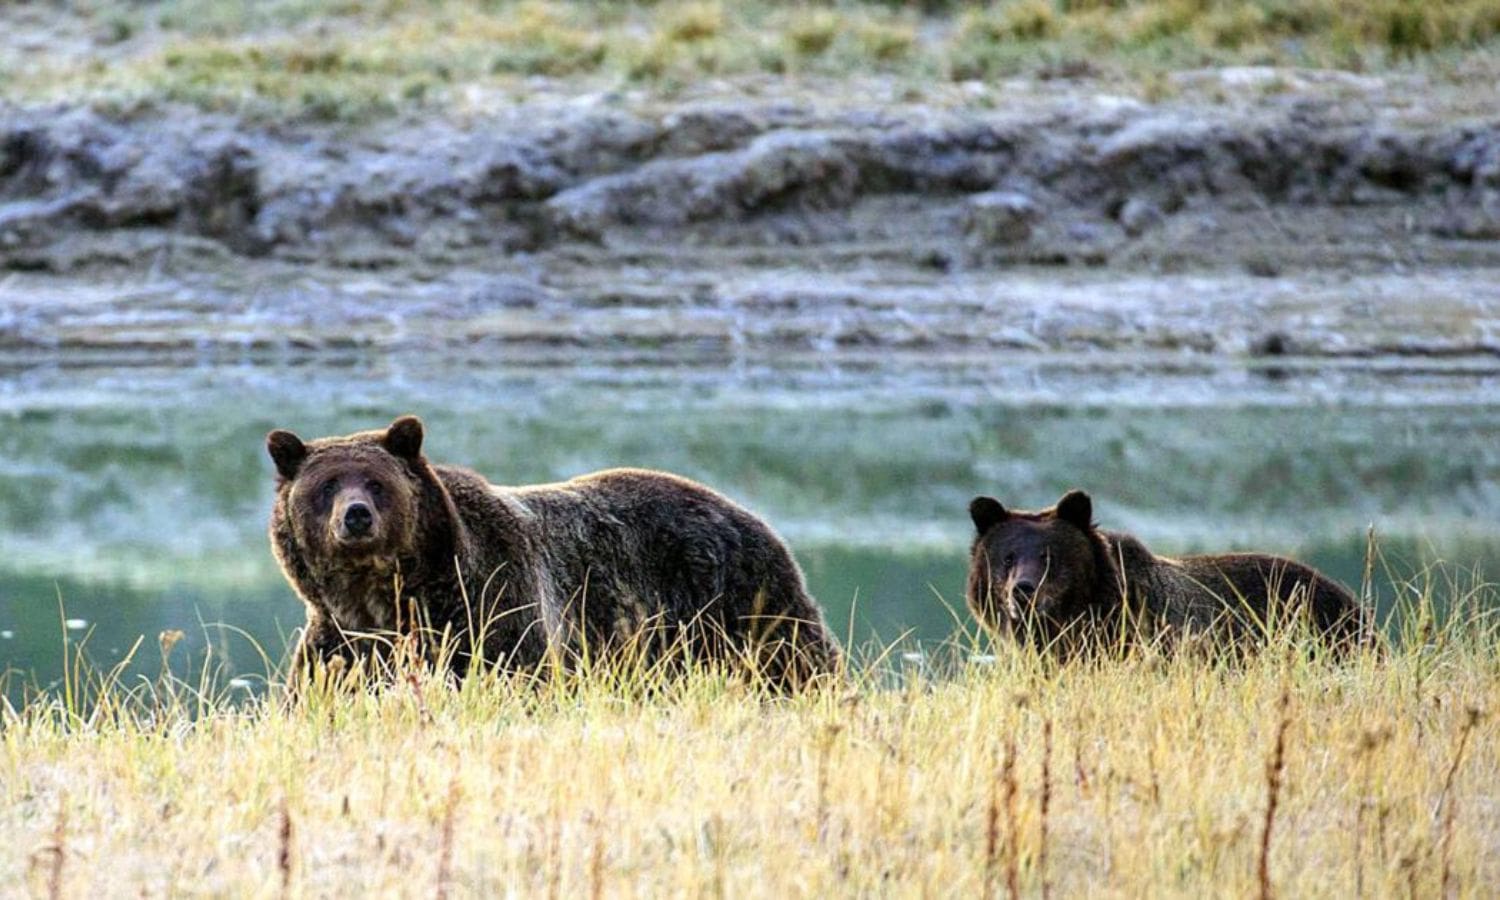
(134, 499)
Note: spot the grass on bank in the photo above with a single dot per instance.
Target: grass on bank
(361, 59)
(1150, 775)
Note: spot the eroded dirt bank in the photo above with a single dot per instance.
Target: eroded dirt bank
(1331, 215)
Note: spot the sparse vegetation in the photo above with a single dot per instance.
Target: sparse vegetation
(1282, 774)
(356, 59)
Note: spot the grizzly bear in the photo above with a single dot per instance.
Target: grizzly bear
(1053, 579)
(379, 542)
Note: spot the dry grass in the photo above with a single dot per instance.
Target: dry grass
(354, 59)
(1145, 776)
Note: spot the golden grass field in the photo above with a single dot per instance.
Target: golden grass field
(1006, 775)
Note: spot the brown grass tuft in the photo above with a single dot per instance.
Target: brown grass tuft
(1274, 770)
(284, 849)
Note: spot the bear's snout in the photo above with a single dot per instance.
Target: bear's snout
(358, 520)
(1020, 597)
(354, 523)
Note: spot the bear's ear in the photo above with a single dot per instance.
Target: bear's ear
(986, 512)
(287, 451)
(404, 438)
(1076, 507)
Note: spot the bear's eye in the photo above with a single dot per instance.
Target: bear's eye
(326, 492)
(375, 488)
(1009, 561)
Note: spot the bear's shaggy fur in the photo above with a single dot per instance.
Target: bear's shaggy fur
(378, 542)
(1054, 579)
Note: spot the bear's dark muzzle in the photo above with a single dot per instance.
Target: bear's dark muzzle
(358, 520)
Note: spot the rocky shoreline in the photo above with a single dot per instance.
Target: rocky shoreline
(1301, 222)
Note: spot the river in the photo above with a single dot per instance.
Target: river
(134, 497)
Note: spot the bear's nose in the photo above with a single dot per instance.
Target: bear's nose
(1024, 589)
(357, 519)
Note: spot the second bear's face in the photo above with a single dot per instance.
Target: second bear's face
(351, 498)
(1031, 567)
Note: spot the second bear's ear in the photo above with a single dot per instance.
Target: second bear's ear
(1076, 507)
(287, 451)
(404, 438)
(986, 512)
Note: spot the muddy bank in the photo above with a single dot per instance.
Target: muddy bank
(1083, 178)
(1322, 220)
(726, 307)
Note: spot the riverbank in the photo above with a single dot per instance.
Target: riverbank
(1297, 178)
(1326, 219)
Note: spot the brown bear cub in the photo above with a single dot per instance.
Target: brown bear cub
(1052, 578)
(379, 542)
